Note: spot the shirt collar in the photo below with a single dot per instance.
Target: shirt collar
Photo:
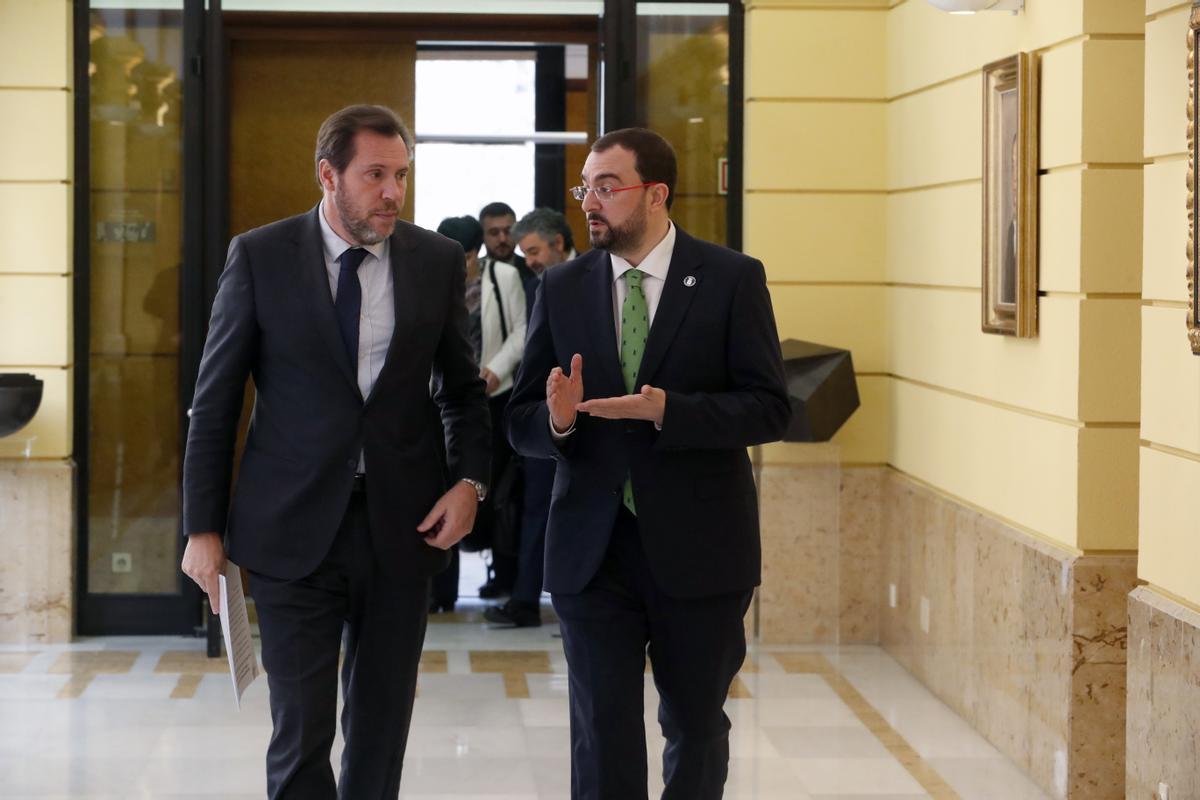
(335, 245)
(657, 261)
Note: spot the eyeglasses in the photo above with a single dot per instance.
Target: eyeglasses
(605, 193)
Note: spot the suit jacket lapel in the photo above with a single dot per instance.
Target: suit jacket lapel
(598, 301)
(406, 294)
(672, 305)
(311, 257)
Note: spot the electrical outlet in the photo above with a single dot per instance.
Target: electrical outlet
(1164, 792)
(892, 595)
(122, 562)
(925, 614)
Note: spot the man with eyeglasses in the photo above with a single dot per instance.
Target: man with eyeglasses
(651, 364)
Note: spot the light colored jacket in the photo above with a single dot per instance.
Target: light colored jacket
(502, 355)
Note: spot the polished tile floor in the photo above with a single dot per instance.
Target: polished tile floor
(153, 718)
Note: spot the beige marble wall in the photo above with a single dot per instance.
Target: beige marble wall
(1026, 641)
(1163, 729)
(821, 538)
(37, 536)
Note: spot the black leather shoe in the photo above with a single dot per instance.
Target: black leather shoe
(514, 615)
(435, 607)
(491, 591)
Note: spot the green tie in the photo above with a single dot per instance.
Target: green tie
(635, 324)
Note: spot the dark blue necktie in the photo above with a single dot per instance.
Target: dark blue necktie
(348, 305)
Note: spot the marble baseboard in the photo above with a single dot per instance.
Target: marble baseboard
(1025, 640)
(37, 535)
(821, 540)
(1163, 727)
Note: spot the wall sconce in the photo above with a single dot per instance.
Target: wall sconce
(971, 6)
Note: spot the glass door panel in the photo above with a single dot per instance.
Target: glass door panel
(135, 244)
(682, 85)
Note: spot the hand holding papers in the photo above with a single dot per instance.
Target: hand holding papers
(235, 625)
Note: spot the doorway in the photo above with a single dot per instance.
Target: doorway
(202, 116)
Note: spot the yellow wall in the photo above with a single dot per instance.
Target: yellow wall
(35, 215)
(1170, 374)
(863, 183)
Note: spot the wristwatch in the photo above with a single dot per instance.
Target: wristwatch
(480, 488)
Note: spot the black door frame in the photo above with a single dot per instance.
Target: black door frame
(619, 91)
(203, 210)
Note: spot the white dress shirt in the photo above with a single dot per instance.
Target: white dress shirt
(377, 319)
(654, 268)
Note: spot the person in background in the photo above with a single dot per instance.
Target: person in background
(496, 310)
(497, 220)
(545, 239)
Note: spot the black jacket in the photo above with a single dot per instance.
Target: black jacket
(273, 320)
(714, 348)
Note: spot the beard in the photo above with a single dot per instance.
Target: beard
(357, 222)
(619, 238)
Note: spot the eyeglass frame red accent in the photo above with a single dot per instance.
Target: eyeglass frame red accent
(611, 191)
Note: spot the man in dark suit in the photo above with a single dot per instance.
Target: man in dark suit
(344, 506)
(653, 542)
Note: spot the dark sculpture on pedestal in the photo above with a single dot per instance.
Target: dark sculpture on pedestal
(822, 389)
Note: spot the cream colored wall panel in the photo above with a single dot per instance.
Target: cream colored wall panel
(1164, 243)
(1111, 242)
(1060, 230)
(851, 317)
(1113, 16)
(1170, 381)
(1113, 100)
(1158, 6)
(817, 237)
(35, 320)
(49, 433)
(933, 137)
(926, 45)
(1108, 489)
(35, 222)
(35, 37)
(935, 339)
(1168, 537)
(814, 145)
(849, 5)
(822, 53)
(1018, 466)
(1166, 84)
(1061, 113)
(934, 235)
(36, 148)
(863, 439)
(1109, 359)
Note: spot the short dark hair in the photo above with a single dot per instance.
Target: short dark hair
(335, 139)
(464, 230)
(546, 223)
(497, 209)
(654, 158)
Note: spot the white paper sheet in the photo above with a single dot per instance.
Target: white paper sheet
(235, 626)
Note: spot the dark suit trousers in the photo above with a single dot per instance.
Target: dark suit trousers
(303, 624)
(539, 482)
(696, 647)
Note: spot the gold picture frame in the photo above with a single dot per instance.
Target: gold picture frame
(1010, 195)
(1193, 259)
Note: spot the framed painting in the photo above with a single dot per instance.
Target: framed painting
(1010, 194)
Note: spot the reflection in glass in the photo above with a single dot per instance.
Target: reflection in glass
(683, 94)
(135, 242)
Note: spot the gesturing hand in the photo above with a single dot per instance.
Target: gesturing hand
(649, 405)
(564, 393)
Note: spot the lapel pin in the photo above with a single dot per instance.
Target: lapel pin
(689, 281)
